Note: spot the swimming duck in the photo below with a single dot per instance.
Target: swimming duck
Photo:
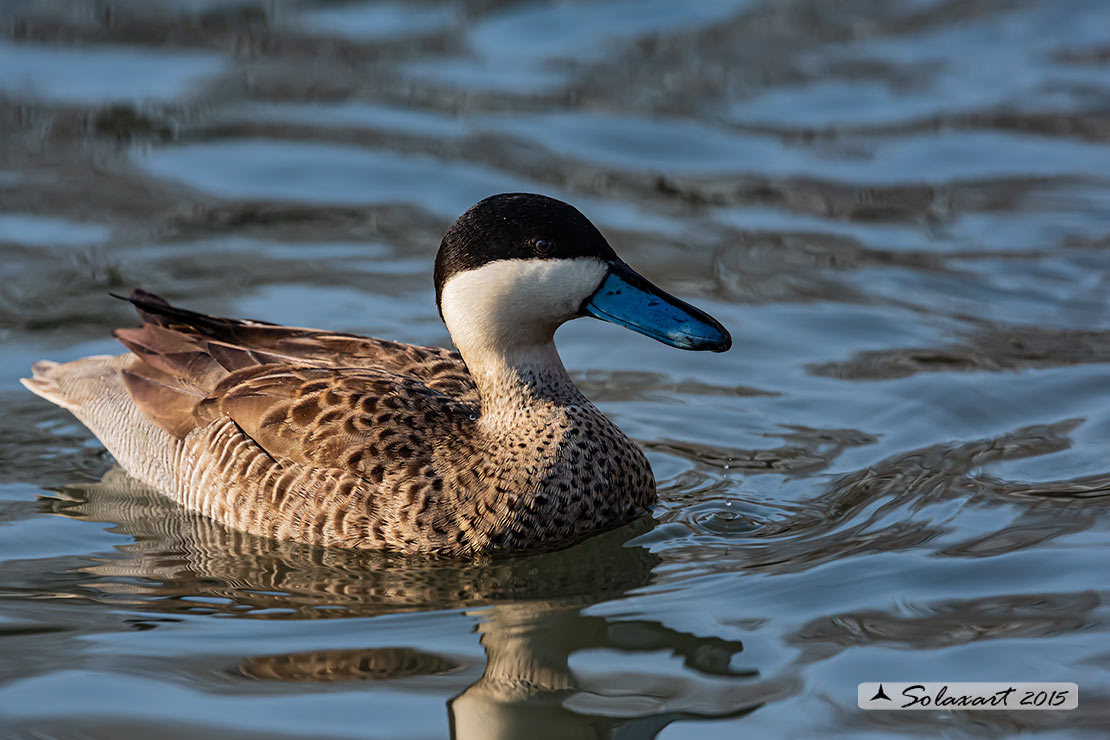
(348, 441)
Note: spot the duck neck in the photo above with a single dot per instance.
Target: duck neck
(503, 317)
(524, 380)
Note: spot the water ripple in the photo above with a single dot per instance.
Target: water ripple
(899, 209)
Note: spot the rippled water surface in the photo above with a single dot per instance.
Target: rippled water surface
(900, 472)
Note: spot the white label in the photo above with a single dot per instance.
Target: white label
(935, 695)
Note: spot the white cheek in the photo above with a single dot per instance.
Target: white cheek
(517, 300)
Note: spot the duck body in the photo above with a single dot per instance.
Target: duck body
(341, 440)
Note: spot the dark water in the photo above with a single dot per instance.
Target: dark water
(900, 472)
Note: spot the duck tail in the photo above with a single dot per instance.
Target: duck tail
(45, 382)
(95, 390)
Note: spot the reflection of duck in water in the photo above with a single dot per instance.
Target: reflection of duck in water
(528, 612)
(335, 439)
(528, 689)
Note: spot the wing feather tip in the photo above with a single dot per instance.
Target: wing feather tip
(170, 407)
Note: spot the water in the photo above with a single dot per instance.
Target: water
(900, 209)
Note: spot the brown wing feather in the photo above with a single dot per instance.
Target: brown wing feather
(173, 353)
(311, 397)
(236, 344)
(348, 418)
(165, 401)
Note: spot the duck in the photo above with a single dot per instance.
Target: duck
(340, 440)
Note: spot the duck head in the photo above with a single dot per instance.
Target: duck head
(516, 266)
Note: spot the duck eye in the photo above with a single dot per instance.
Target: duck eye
(543, 246)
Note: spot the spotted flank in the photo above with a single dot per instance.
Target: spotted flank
(341, 440)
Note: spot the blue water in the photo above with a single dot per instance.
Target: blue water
(900, 209)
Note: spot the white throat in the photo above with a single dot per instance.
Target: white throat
(503, 315)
